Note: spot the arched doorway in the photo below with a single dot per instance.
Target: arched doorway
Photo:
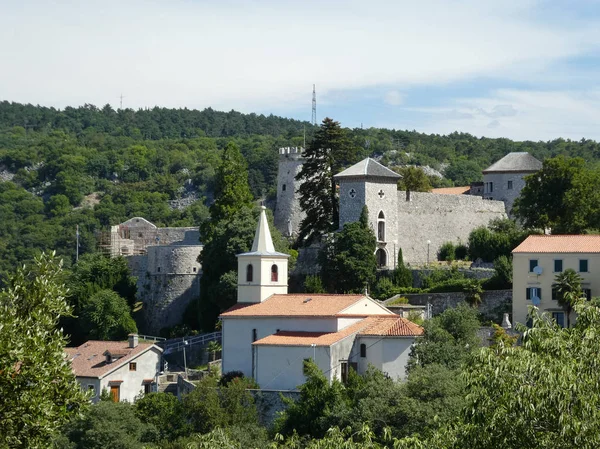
(381, 257)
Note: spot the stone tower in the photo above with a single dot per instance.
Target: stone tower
(263, 271)
(288, 213)
(370, 183)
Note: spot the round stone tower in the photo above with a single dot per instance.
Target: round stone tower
(288, 213)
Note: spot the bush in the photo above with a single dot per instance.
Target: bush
(313, 284)
(447, 252)
(398, 301)
(229, 376)
(451, 285)
(384, 289)
(440, 275)
(461, 251)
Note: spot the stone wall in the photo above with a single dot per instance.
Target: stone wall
(269, 403)
(288, 213)
(500, 185)
(479, 273)
(439, 219)
(494, 302)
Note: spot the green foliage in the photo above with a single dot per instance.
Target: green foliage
(463, 172)
(461, 251)
(568, 290)
(498, 239)
(502, 278)
(402, 274)
(449, 339)
(330, 151)
(473, 292)
(413, 179)
(384, 289)
(107, 317)
(38, 389)
(398, 301)
(313, 284)
(447, 252)
(107, 424)
(347, 260)
(163, 411)
(561, 196)
(436, 276)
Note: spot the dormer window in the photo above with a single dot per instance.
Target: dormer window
(274, 273)
(249, 273)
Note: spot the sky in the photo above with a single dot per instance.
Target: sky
(522, 69)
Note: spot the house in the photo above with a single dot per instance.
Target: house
(126, 369)
(539, 259)
(269, 333)
(505, 179)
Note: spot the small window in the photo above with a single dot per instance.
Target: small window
(554, 294)
(558, 265)
(559, 317)
(249, 273)
(381, 216)
(583, 266)
(194, 269)
(132, 366)
(509, 185)
(158, 269)
(92, 390)
(532, 264)
(491, 187)
(532, 292)
(344, 372)
(147, 388)
(140, 235)
(254, 335)
(587, 292)
(274, 273)
(363, 350)
(283, 187)
(381, 231)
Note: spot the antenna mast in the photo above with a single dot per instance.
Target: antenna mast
(314, 107)
(121, 97)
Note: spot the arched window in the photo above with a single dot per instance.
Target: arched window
(274, 273)
(363, 350)
(249, 273)
(381, 257)
(381, 227)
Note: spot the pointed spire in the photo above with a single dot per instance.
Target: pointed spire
(262, 238)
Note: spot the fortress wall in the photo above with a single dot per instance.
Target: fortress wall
(440, 218)
(288, 204)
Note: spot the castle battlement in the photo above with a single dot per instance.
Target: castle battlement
(287, 151)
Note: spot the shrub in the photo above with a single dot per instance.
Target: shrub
(447, 252)
(313, 284)
(398, 301)
(461, 251)
(229, 376)
(384, 289)
(451, 285)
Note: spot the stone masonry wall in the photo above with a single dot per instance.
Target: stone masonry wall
(493, 305)
(288, 213)
(439, 219)
(501, 191)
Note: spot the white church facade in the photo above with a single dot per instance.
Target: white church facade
(269, 333)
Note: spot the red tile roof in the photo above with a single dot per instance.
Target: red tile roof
(452, 190)
(560, 244)
(88, 360)
(380, 325)
(307, 304)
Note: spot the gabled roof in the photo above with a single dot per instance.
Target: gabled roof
(559, 244)
(368, 168)
(452, 190)
(515, 162)
(88, 360)
(263, 243)
(307, 304)
(378, 326)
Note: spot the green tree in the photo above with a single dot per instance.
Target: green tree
(107, 424)
(37, 386)
(463, 172)
(163, 411)
(402, 274)
(347, 261)
(473, 292)
(561, 196)
(448, 340)
(327, 154)
(413, 179)
(568, 290)
(58, 206)
(106, 316)
(313, 284)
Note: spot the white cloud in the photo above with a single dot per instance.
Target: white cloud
(393, 98)
(266, 55)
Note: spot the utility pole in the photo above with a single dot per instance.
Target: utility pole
(314, 106)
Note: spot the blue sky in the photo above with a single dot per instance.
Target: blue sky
(522, 69)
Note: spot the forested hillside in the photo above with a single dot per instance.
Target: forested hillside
(94, 167)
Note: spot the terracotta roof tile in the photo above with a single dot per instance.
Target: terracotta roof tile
(452, 190)
(381, 325)
(307, 304)
(560, 244)
(88, 360)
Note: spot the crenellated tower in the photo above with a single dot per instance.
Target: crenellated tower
(288, 213)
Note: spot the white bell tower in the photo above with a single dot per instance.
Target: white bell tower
(263, 271)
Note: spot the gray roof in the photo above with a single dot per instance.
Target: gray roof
(515, 162)
(368, 167)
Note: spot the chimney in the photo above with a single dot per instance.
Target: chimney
(133, 340)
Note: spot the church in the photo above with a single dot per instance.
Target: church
(269, 333)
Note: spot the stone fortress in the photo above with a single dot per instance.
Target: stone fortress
(416, 222)
(165, 262)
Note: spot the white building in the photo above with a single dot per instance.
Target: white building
(270, 333)
(125, 369)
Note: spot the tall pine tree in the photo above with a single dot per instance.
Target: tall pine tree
(329, 152)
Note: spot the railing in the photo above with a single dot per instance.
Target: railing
(186, 342)
(151, 338)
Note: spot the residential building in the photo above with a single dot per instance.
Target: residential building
(125, 369)
(269, 333)
(539, 259)
(505, 179)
